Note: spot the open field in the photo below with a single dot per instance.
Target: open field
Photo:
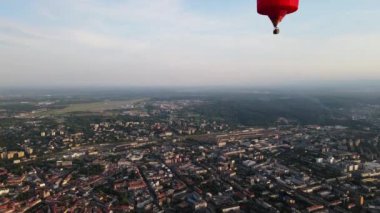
(91, 107)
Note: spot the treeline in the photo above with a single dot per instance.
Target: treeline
(265, 110)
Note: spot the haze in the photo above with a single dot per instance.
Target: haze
(185, 43)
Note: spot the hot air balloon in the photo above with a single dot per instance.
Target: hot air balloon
(276, 10)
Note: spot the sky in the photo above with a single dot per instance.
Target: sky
(117, 43)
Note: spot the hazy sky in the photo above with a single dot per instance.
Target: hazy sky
(185, 42)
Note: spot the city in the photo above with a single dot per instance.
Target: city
(152, 155)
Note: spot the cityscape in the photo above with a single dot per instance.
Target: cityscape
(152, 154)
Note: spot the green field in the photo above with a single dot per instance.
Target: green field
(91, 107)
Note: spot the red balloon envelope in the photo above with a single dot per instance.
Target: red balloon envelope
(276, 10)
